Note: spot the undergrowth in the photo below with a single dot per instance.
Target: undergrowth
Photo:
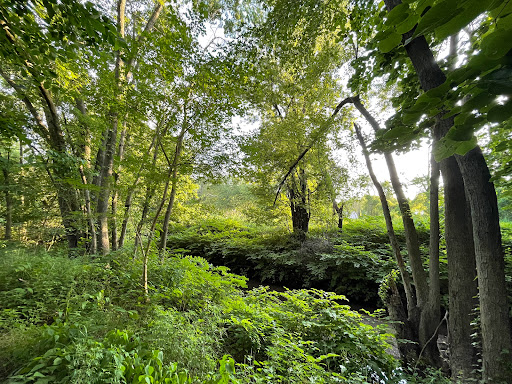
(87, 320)
(352, 262)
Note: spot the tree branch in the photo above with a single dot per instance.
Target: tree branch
(43, 129)
(320, 132)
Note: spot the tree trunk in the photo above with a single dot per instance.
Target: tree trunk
(86, 153)
(8, 204)
(158, 211)
(51, 132)
(120, 155)
(411, 235)
(496, 332)
(298, 206)
(490, 264)
(406, 279)
(150, 191)
(107, 167)
(431, 313)
(131, 190)
(339, 211)
(177, 155)
(404, 330)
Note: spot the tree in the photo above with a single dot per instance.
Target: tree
(471, 165)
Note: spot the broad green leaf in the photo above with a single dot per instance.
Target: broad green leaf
(408, 24)
(397, 14)
(500, 113)
(498, 81)
(466, 146)
(503, 9)
(436, 16)
(444, 148)
(396, 133)
(411, 117)
(479, 101)
(422, 5)
(390, 42)
(471, 9)
(498, 43)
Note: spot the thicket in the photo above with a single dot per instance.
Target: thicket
(87, 320)
(352, 262)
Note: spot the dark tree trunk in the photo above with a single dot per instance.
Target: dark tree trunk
(299, 205)
(490, 264)
(339, 212)
(496, 333)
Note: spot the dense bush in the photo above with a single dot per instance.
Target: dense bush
(351, 263)
(88, 320)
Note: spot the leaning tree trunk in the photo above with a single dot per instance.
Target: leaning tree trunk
(174, 185)
(132, 189)
(495, 323)
(411, 235)
(405, 330)
(406, 279)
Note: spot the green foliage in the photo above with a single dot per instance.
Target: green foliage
(87, 321)
(304, 325)
(352, 263)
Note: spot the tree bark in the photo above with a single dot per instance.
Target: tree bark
(299, 205)
(431, 313)
(120, 154)
(339, 211)
(496, 332)
(490, 264)
(131, 190)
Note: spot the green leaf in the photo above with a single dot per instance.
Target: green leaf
(397, 14)
(392, 41)
(479, 101)
(471, 9)
(397, 132)
(438, 15)
(497, 44)
(500, 113)
(408, 24)
(466, 146)
(411, 117)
